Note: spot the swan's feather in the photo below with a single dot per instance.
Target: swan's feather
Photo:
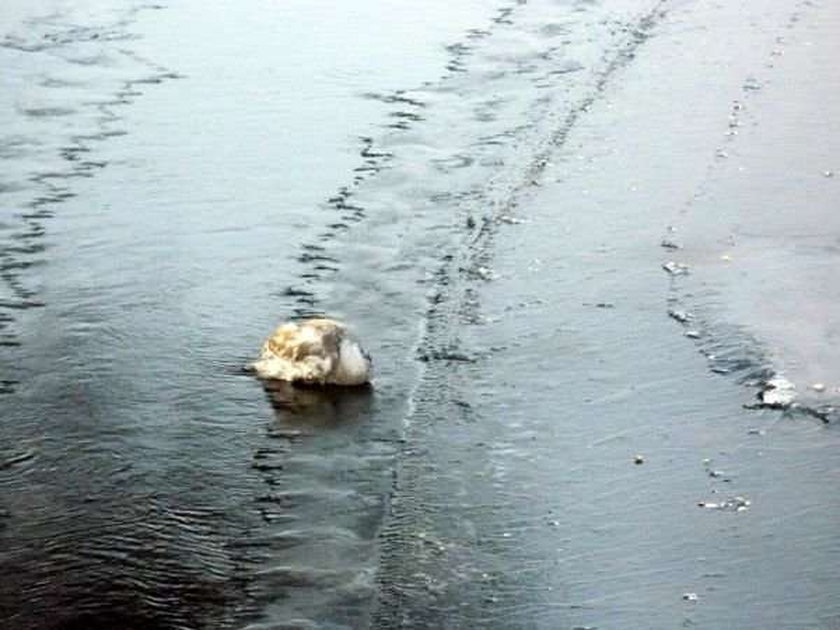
(315, 351)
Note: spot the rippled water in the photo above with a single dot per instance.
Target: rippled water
(167, 189)
(177, 179)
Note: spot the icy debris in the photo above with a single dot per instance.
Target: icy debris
(485, 273)
(714, 473)
(509, 220)
(690, 597)
(667, 243)
(778, 393)
(778, 398)
(692, 334)
(675, 268)
(739, 503)
(681, 316)
(735, 504)
(818, 387)
(639, 460)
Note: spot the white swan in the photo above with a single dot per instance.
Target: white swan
(316, 352)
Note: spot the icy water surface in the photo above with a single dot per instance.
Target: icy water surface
(559, 435)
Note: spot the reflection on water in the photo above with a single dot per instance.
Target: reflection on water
(318, 407)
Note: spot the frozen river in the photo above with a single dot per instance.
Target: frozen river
(578, 238)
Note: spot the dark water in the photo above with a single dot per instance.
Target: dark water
(481, 191)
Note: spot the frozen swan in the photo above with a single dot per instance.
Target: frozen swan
(314, 351)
